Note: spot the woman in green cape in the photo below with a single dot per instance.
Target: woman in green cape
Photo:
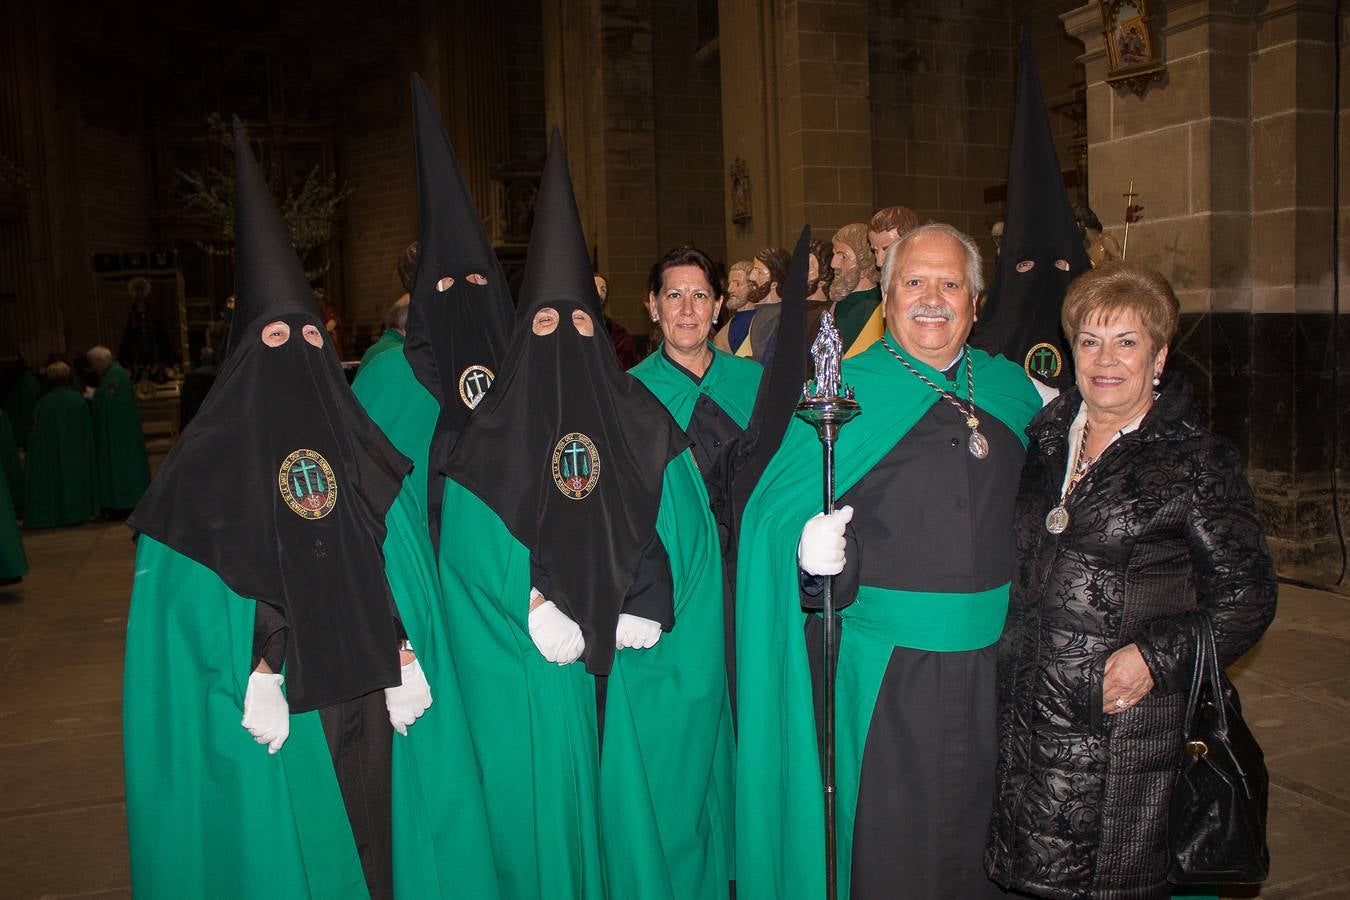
(573, 533)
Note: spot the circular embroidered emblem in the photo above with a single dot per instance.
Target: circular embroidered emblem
(474, 383)
(1044, 360)
(307, 484)
(576, 466)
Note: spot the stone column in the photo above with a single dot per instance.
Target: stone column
(795, 109)
(1230, 156)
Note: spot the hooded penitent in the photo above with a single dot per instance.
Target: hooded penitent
(281, 483)
(567, 449)
(1042, 249)
(459, 319)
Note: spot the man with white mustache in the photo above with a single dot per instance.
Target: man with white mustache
(922, 550)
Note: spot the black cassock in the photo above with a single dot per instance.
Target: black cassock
(929, 517)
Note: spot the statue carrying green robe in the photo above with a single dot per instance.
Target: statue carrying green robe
(122, 464)
(779, 813)
(59, 480)
(860, 320)
(441, 845)
(650, 816)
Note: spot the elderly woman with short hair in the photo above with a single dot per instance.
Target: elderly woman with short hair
(1135, 524)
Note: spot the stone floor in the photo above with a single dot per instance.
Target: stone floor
(62, 826)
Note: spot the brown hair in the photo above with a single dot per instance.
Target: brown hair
(776, 260)
(823, 251)
(407, 267)
(1120, 286)
(894, 218)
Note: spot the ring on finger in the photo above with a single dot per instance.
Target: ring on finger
(1120, 703)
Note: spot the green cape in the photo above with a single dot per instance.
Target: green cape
(13, 561)
(441, 844)
(390, 340)
(852, 314)
(59, 486)
(122, 464)
(731, 381)
(19, 407)
(651, 816)
(209, 812)
(779, 811)
(11, 470)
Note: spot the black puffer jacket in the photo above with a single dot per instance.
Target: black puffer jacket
(1162, 530)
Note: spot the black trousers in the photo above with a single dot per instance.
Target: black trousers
(360, 741)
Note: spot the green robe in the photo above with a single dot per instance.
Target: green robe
(441, 845)
(390, 340)
(11, 470)
(19, 407)
(13, 561)
(779, 812)
(651, 816)
(119, 441)
(731, 382)
(59, 485)
(209, 812)
(859, 320)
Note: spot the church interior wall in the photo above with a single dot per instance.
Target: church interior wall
(1229, 155)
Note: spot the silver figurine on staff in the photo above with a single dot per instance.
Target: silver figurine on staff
(828, 405)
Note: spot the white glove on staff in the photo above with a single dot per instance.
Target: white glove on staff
(636, 632)
(821, 549)
(267, 715)
(409, 700)
(558, 638)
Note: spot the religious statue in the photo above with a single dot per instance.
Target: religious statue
(826, 351)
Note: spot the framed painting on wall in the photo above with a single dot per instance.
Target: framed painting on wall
(1133, 53)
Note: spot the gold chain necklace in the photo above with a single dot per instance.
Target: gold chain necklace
(1057, 519)
(976, 443)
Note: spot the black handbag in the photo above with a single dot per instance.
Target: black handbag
(1216, 824)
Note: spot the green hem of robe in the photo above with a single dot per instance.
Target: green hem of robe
(780, 820)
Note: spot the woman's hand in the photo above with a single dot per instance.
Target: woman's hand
(1127, 680)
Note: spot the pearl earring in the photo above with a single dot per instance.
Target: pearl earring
(1157, 380)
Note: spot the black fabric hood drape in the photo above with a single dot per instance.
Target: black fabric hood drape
(281, 483)
(1022, 312)
(457, 337)
(567, 449)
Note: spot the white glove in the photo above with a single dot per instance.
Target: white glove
(636, 632)
(409, 700)
(821, 550)
(557, 637)
(267, 715)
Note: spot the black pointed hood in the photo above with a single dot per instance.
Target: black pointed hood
(568, 450)
(558, 266)
(459, 318)
(1042, 246)
(281, 483)
(268, 278)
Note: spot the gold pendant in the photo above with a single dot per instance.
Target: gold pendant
(972, 423)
